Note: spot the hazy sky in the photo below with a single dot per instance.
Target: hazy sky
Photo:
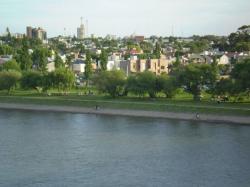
(124, 17)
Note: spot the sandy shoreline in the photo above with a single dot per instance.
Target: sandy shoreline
(133, 113)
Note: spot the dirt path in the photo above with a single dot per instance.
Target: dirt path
(135, 113)
(139, 103)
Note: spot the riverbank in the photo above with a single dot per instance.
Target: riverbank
(134, 113)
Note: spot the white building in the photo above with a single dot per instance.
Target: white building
(113, 62)
(78, 66)
(224, 59)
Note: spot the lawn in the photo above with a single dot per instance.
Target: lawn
(182, 103)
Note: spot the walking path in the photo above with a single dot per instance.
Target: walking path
(135, 113)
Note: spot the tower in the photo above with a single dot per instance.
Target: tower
(81, 31)
(29, 32)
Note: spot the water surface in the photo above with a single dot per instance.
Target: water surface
(43, 149)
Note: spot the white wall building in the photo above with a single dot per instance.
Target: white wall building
(224, 59)
(78, 66)
(113, 62)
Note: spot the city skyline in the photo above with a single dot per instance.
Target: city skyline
(122, 18)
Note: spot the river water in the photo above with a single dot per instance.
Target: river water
(44, 149)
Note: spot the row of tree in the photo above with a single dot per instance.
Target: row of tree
(61, 79)
(193, 78)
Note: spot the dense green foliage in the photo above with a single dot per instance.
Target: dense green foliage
(195, 76)
(24, 59)
(61, 78)
(88, 68)
(157, 51)
(58, 61)
(111, 82)
(10, 65)
(32, 80)
(241, 74)
(240, 41)
(104, 60)
(143, 83)
(6, 50)
(168, 85)
(9, 79)
(40, 58)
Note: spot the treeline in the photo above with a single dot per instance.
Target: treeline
(193, 78)
(11, 77)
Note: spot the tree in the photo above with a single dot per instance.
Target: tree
(8, 37)
(10, 65)
(242, 46)
(58, 61)
(62, 78)
(241, 74)
(32, 80)
(69, 59)
(24, 59)
(244, 27)
(224, 69)
(157, 51)
(240, 40)
(146, 47)
(6, 50)
(48, 81)
(194, 77)
(133, 86)
(8, 79)
(198, 46)
(103, 60)
(88, 68)
(40, 58)
(111, 82)
(167, 84)
(142, 83)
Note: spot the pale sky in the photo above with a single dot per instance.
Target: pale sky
(124, 17)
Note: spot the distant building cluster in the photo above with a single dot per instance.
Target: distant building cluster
(135, 53)
(37, 33)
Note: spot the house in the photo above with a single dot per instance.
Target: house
(113, 65)
(200, 59)
(196, 58)
(139, 38)
(78, 66)
(114, 62)
(231, 57)
(224, 60)
(158, 66)
(208, 59)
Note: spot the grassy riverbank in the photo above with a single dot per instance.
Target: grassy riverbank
(179, 104)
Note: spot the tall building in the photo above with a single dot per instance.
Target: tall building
(81, 31)
(37, 33)
(29, 32)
